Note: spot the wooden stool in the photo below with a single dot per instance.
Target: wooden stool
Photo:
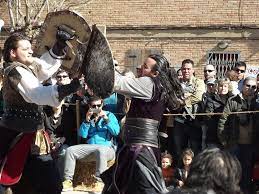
(84, 177)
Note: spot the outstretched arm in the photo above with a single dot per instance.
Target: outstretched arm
(50, 61)
(134, 87)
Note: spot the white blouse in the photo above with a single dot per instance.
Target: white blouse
(30, 86)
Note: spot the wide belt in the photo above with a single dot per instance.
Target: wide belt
(141, 131)
(24, 113)
(23, 119)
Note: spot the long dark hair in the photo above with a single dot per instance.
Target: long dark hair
(170, 85)
(215, 169)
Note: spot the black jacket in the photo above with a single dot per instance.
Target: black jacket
(214, 104)
(228, 126)
(179, 175)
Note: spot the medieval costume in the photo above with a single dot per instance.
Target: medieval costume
(138, 166)
(23, 138)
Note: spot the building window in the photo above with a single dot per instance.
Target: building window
(223, 61)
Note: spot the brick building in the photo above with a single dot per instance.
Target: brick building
(218, 32)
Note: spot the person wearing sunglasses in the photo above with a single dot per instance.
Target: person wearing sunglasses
(240, 69)
(238, 133)
(209, 72)
(62, 77)
(209, 79)
(98, 132)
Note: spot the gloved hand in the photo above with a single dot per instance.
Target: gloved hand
(64, 33)
(65, 90)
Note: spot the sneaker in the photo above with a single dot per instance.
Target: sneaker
(67, 185)
(98, 187)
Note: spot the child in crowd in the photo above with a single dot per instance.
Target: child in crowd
(167, 168)
(181, 174)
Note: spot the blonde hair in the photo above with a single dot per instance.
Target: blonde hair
(223, 81)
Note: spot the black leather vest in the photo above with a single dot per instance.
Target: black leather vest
(151, 109)
(143, 118)
(19, 114)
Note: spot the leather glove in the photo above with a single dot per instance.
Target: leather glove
(64, 33)
(65, 90)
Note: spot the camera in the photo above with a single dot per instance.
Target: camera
(95, 110)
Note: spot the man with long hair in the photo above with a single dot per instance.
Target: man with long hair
(139, 159)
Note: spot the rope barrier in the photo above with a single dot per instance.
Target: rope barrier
(216, 113)
(194, 114)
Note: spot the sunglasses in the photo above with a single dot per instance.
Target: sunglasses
(251, 86)
(240, 70)
(62, 76)
(208, 71)
(96, 105)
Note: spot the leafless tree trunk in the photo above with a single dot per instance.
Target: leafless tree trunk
(37, 16)
(27, 11)
(10, 9)
(27, 14)
(47, 6)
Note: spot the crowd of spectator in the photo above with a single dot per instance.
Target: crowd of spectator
(197, 128)
(215, 118)
(216, 115)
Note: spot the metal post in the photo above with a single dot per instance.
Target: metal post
(78, 119)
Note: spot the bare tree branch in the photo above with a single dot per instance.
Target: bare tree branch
(60, 5)
(36, 17)
(25, 14)
(17, 10)
(20, 18)
(47, 6)
(27, 9)
(10, 7)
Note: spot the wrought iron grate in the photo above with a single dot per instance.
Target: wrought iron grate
(223, 61)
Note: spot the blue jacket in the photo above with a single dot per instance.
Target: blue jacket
(100, 133)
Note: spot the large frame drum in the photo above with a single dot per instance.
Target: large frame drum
(77, 47)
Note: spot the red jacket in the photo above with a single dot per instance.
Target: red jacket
(168, 174)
